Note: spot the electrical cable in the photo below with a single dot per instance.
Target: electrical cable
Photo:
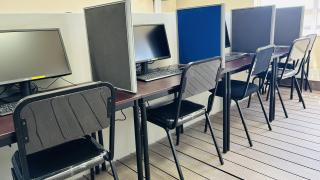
(68, 81)
(124, 116)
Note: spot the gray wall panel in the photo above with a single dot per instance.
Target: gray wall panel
(288, 25)
(252, 28)
(109, 28)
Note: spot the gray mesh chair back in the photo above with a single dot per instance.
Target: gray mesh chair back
(260, 64)
(297, 55)
(199, 77)
(262, 60)
(50, 119)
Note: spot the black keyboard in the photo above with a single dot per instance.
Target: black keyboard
(235, 56)
(160, 73)
(6, 109)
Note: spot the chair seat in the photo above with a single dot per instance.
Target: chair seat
(288, 73)
(238, 89)
(289, 66)
(165, 115)
(61, 158)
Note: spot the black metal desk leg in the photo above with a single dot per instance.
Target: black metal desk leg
(226, 112)
(137, 127)
(273, 89)
(144, 128)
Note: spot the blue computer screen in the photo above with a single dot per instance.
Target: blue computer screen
(199, 33)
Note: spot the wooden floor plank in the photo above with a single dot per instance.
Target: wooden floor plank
(294, 115)
(212, 159)
(260, 156)
(290, 120)
(277, 133)
(281, 144)
(240, 160)
(155, 171)
(276, 152)
(285, 129)
(201, 168)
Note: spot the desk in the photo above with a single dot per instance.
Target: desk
(148, 91)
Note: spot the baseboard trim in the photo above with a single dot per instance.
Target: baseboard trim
(315, 85)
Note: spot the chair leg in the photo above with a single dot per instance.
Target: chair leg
(291, 88)
(14, 177)
(282, 103)
(92, 174)
(307, 84)
(268, 94)
(182, 129)
(206, 127)
(264, 111)
(299, 93)
(178, 131)
(244, 124)
(114, 171)
(249, 101)
(173, 149)
(214, 139)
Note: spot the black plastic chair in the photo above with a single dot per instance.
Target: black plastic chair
(53, 132)
(197, 77)
(242, 89)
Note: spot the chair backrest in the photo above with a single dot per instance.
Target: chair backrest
(297, 54)
(262, 60)
(260, 64)
(50, 119)
(198, 77)
(313, 38)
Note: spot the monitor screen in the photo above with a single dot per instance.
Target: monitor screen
(252, 28)
(31, 54)
(288, 27)
(227, 39)
(150, 43)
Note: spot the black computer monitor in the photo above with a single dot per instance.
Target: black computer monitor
(27, 55)
(227, 39)
(150, 43)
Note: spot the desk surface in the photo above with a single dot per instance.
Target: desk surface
(145, 89)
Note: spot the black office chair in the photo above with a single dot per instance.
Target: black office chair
(243, 89)
(53, 132)
(197, 77)
(306, 68)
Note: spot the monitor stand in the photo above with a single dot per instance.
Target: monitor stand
(25, 88)
(144, 68)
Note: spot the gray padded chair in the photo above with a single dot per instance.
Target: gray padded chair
(197, 77)
(53, 132)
